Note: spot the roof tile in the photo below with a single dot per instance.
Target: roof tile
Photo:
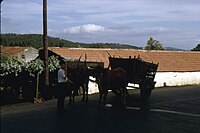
(169, 61)
(11, 51)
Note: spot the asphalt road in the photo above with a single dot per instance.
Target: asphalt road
(170, 110)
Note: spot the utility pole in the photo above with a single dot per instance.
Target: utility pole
(45, 45)
(0, 23)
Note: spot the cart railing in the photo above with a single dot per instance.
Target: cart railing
(137, 69)
(89, 65)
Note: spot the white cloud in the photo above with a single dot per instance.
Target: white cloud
(88, 28)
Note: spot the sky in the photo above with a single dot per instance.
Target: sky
(175, 23)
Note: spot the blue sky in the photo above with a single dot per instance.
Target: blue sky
(175, 23)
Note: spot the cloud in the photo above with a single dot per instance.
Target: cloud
(88, 28)
(120, 21)
(91, 33)
(113, 31)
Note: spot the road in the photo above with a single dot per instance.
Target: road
(170, 110)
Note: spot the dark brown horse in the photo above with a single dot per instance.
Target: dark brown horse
(80, 78)
(115, 80)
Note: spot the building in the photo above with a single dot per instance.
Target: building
(23, 53)
(175, 68)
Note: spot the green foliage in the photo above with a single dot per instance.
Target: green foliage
(11, 65)
(18, 78)
(197, 48)
(15, 65)
(112, 45)
(53, 63)
(153, 45)
(4, 58)
(35, 66)
(36, 41)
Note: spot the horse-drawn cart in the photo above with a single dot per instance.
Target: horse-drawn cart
(138, 72)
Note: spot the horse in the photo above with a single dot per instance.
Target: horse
(79, 78)
(115, 80)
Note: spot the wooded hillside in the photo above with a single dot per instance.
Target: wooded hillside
(36, 41)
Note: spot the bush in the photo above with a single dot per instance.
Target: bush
(18, 78)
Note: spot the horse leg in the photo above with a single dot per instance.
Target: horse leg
(83, 99)
(74, 94)
(100, 92)
(86, 92)
(123, 95)
(104, 97)
(100, 97)
(127, 92)
(70, 97)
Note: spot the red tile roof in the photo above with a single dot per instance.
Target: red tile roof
(169, 61)
(11, 51)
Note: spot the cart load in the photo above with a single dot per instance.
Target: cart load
(138, 72)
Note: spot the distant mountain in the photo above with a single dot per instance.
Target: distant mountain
(36, 41)
(174, 49)
(112, 45)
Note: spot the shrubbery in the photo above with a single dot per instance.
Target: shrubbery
(18, 78)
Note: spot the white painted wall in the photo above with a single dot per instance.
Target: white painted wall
(169, 78)
(177, 78)
(30, 54)
(93, 87)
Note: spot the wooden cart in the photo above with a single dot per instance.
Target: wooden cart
(138, 72)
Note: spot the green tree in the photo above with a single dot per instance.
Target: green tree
(153, 44)
(35, 40)
(11, 65)
(15, 65)
(197, 48)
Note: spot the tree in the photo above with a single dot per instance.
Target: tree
(15, 65)
(16, 74)
(153, 45)
(197, 48)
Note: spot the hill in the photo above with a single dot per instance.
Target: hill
(173, 49)
(36, 41)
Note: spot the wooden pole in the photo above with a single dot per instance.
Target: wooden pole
(45, 44)
(37, 99)
(0, 23)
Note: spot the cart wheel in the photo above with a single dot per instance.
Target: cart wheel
(145, 89)
(116, 92)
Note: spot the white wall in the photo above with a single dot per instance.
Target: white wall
(169, 78)
(93, 87)
(31, 54)
(177, 78)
